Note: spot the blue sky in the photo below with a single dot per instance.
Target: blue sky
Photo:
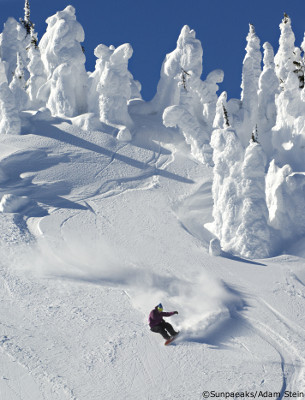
(152, 27)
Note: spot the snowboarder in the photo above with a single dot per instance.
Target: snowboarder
(158, 325)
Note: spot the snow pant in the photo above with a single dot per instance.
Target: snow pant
(165, 329)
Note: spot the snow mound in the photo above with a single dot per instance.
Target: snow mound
(124, 135)
(43, 114)
(215, 248)
(11, 203)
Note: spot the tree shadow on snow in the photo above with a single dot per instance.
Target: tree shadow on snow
(47, 193)
(240, 259)
(46, 130)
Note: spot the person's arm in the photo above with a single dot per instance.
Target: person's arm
(168, 314)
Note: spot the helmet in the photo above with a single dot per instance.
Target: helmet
(160, 307)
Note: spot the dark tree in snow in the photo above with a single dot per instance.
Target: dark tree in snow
(286, 18)
(225, 116)
(184, 75)
(254, 137)
(299, 71)
(26, 22)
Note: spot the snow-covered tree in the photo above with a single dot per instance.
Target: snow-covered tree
(18, 86)
(240, 211)
(189, 103)
(120, 70)
(13, 40)
(26, 21)
(285, 195)
(228, 157)
(185, 62)
(250, 84)
(253, 237)
(195, 136)
(268, 89)
(63, 58)
(114, 87)
(37, 78)
(208, 95)
(286, 55)
(9, 115)
(102, 53)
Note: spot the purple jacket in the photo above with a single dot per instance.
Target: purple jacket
(156, 317)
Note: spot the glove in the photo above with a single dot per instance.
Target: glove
(175, 312)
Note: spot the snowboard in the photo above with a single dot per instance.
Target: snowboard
(167, 342)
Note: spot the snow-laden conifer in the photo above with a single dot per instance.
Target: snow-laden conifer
(9, 115)
(102, 53)
(63, 58)
(226, 189)
(189, 103)
(28, 24)
(119, 69)
(288, 133)
(179, 116)
(18, 86)
(268, 88)
(208, 95)
(37, 77)
(14, 40)
(286, 56)
(179, 68)
(114, 87)
(285, 195)
(250, 80)
(253, 238)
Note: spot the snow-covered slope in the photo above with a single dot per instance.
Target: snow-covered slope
(94, 234)
(109, 205)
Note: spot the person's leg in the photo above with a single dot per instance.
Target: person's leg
(160, 329)
(169, 328)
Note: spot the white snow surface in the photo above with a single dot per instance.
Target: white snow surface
(114, 228)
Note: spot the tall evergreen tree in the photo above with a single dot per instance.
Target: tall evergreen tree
(26, 21)
(250, 84)
(286, 55)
